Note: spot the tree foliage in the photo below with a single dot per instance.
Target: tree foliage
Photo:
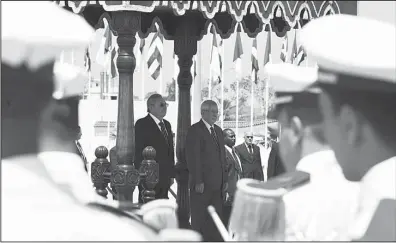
(244, 101)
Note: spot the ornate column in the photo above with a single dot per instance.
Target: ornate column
(185, 48)
(125, 177)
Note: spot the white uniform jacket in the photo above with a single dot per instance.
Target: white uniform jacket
(35, 209)
(323, 208)
(378, 183)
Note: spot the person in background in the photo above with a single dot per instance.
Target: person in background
(357, 76)
(34, 206)
(250, 157)
(325, 203)
(234, 170)
(113, 159)
(275, 165)
(153, 130)
(206, 162)
(80, 150)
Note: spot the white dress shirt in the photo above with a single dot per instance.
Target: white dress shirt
(323, 208)
(34, 209)
(378, 183)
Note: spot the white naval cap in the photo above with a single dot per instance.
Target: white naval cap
(35, 33)
(69, 80)
(352, 52)
(291, 82)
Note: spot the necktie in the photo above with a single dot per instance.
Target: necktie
(250, 149)
(237, 161)
(212, 132)
(163, 130)
(234, 155)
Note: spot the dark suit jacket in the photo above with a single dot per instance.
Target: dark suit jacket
(275, 165)
(251, 163)
(147, 133)
(233, 170)
(205, 160)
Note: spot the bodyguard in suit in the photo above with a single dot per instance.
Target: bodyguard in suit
(250, 157)
(205, 156)
(234, 170)
(153, 130)
(275, 166)
(80, 150)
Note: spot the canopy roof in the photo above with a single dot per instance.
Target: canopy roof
(249, 13)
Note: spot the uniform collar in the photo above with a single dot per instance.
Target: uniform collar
(320, 163)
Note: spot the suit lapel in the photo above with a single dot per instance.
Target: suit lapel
(157, 129)
(236, 163)
(246, 153)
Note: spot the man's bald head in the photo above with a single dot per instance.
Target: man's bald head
(209, 111)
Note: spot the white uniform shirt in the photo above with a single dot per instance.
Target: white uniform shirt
(378, 183)
(323, 208)
(67, 171)
(34, 209)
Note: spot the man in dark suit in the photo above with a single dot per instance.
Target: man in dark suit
(153, 130)
(234, 169)
(205, 156)
(80, 150)
(250, 157)
(275, 165)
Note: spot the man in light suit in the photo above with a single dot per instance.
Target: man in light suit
(250, 157)
(234, 169)
(153, 130)
(205, 156)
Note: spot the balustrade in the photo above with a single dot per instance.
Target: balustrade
(125, 178)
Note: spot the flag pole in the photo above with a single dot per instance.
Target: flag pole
(210, 69)
(238, 70)
(266, 95)
(253, 81)
(222, 88)
(89, 63)
(142, 69)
